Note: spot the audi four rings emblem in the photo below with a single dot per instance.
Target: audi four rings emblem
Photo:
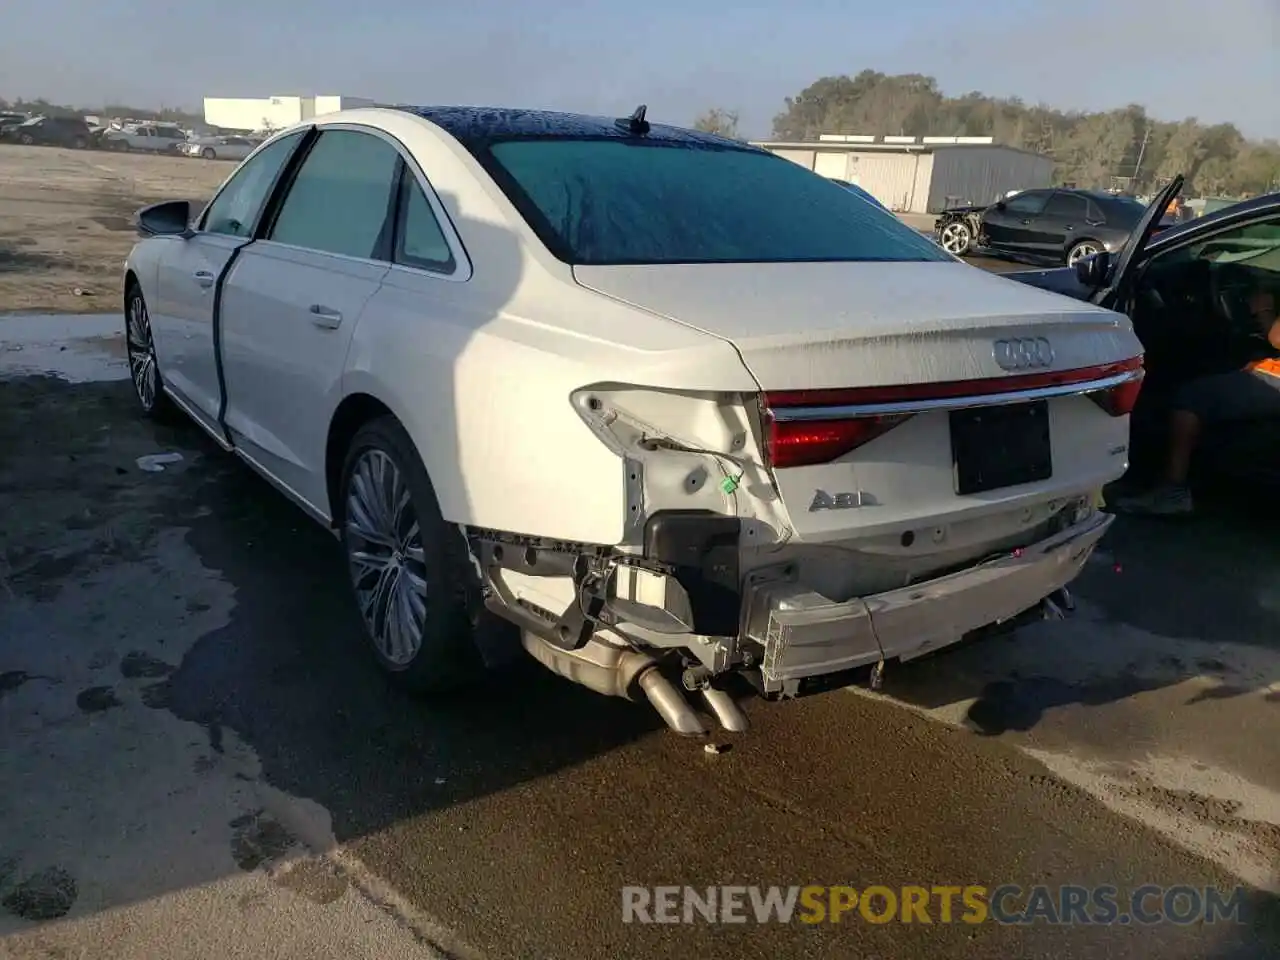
(1024, 353)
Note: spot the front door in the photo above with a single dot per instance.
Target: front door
(1011, 227)
(293, 299)
(187, 283)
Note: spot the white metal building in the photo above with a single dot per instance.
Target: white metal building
(910, 175)
(272, 113)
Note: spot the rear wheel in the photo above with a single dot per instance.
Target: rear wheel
(209, 153)
(140, 348)
(956, 238)
(27, 139)
(1085, 248)
(414, 585)
(79, 143)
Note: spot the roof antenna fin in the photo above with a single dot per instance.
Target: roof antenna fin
(636, 123)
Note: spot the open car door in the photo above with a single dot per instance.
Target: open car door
(1127, 259)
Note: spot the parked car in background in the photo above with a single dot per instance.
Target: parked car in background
(1186, 288)
(779, 439)
(12, 119)
(148, 137)
(51, 131)
(219, 148)
(857, 191)
(1059, 225)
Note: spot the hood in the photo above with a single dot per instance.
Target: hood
(826, 325)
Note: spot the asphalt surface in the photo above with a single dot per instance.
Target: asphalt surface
(184, 699)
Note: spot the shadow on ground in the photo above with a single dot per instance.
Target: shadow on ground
(1162, 602)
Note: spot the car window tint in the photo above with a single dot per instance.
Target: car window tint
(340, 201)
(1026, 203)
(420, 241)
(234, 212)
(609, 201)
(1067, 206)
(1120, 211)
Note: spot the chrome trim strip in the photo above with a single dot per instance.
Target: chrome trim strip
(786, 414)
(195, 418)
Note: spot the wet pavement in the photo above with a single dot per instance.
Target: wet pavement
(184, 705)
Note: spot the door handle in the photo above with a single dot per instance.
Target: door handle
(204, 278)
(324, 318)
(1024, 222)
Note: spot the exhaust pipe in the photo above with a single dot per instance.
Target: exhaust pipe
(618, 672)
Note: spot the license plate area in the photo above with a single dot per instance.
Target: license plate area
(1002, 446)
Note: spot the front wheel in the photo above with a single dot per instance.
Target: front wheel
(209, 153)
(956, 238)
(27, 140)
(140, 348)
(415, 588)
(1085, 248)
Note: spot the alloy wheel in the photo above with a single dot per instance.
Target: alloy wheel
(1079, 252)
(385, 556)
(141, 350)
(955, 238)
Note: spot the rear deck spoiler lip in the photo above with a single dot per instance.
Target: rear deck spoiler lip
(991, 399)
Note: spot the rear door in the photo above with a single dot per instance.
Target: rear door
(182, 309)
(292, 301)
(1064, 222)
(1012, 227)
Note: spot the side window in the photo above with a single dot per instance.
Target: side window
(341, 200)
(419, 240)
(1070, 207)
(1027, 204)
(1232, 277)
(234, 212)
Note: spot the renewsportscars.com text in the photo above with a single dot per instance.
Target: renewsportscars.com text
(972, 904)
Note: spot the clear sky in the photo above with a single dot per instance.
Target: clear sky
(1218, 60)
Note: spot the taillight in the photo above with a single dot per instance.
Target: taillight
(802, 443)
(860, 414)
(1119, 401)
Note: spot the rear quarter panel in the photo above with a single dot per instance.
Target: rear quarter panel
(480, 370)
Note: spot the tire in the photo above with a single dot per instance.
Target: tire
(209, 153)
(1082, 249)
(79, 143)
(446, 611)
(27, 140)
(140, 350)
(956, 238)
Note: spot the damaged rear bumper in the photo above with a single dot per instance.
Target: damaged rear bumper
(805, 634)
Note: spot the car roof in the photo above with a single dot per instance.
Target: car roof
(1243, 209)
(471, 125)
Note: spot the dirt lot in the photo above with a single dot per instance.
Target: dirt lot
(65, 220)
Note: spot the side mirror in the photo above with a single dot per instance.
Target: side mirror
(1092, 271)
(170, 219)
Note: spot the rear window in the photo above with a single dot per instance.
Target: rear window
(606, 201)
(1120, 210)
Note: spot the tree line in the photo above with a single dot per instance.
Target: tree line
(1122, 148)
